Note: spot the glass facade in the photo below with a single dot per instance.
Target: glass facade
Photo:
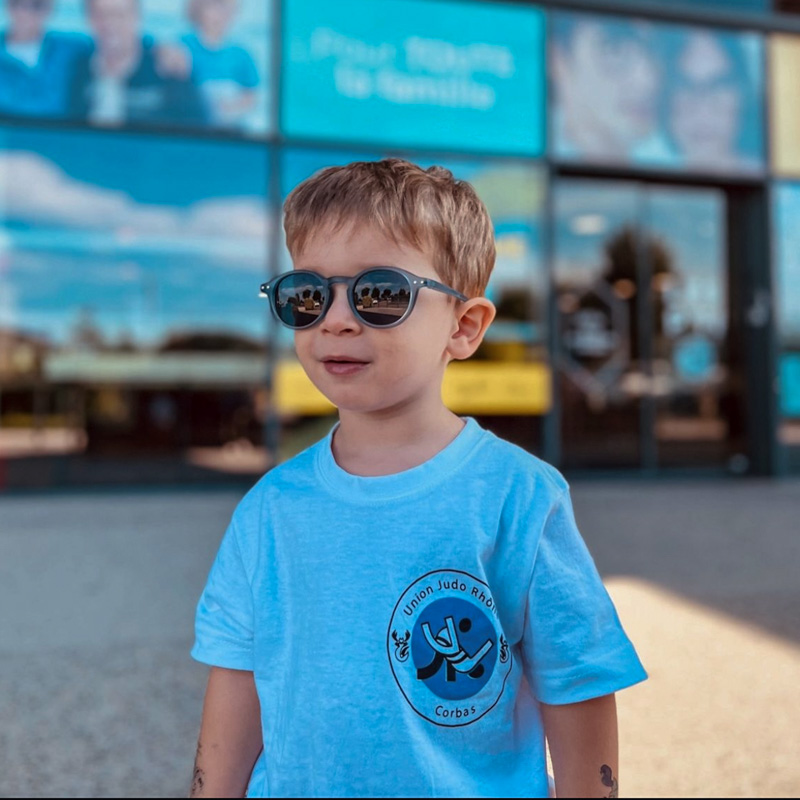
(145, 148)
(126, 317)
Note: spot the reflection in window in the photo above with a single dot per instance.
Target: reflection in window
(128, 319)
(697, 383)
(596, 285)
(629, 91)
(645, 371)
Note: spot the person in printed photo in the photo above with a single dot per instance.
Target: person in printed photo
(607, 80)
(123, 79)
(225, 72)
(712, 106)
(35, 63)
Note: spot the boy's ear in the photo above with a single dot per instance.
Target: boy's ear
(473, 317)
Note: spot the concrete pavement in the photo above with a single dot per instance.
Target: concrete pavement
(98, 696)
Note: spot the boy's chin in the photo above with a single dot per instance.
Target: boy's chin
(355, 400)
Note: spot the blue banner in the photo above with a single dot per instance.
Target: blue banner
(415, 73)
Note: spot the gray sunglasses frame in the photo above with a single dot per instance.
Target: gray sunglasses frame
(415, 283)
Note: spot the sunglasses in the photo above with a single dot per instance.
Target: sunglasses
(380, 297)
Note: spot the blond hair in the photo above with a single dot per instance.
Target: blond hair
(428, 209)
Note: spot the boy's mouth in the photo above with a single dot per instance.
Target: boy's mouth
(343, 365)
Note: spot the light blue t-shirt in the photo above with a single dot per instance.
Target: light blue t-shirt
(403, 629)
(228, 62)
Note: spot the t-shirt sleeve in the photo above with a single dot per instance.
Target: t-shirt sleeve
(573, 645)
(247, 71)
(224, 618)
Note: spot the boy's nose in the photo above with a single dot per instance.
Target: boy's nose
(340, 317)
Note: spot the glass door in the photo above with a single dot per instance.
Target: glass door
(787, 296)
(695, 376)
(595, 279)
(646, 376)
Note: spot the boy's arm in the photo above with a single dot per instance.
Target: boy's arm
(230, 735)
(583, 747)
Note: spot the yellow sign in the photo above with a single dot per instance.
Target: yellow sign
(295, 394)
(471, 387)
(784, 67)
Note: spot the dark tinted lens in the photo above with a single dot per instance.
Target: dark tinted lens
(300, 298)
(382, 296)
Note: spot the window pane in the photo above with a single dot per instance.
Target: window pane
(628, 91)
(597, 283)
(184, 65)
(129, 316)
(696, 385)
(415, 73)
(787, 294)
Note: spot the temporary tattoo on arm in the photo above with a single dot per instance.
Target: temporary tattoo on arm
(608, 779)
(198, 775)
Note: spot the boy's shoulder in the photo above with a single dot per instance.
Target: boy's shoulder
(295, 474)
(520, 467)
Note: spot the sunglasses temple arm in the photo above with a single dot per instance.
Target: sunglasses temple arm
(446, 289)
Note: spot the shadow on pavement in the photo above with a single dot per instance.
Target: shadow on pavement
(733, 545)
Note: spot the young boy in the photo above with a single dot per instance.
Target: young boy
(406, 608)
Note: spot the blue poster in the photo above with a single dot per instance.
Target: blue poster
(415, 73)
(156, 63)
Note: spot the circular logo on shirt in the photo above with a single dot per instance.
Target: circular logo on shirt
(446, 648)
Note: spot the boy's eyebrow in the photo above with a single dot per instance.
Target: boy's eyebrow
(370, 265)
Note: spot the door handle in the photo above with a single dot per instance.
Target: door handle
(758, 312)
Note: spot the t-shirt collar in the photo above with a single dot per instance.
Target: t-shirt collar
(360, 489)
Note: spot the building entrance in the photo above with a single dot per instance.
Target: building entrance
(647, 373)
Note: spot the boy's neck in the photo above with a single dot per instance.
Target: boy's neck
(372, 445)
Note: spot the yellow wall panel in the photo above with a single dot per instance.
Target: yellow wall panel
(471, 387)
(784, 58)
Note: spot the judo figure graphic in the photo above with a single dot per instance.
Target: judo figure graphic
(449, 652)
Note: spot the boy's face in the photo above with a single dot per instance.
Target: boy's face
(397, 368)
